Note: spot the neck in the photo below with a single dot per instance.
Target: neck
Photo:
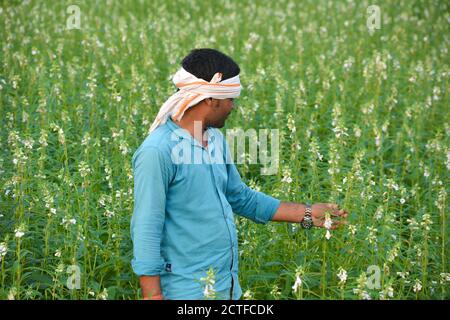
(194, 124)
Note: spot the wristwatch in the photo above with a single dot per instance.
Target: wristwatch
(307, 222)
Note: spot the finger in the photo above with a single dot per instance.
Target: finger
(333, 206)
(319, 223)
(339, 213)
(334, 209)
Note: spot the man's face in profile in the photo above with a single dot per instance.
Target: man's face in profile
(221, 109)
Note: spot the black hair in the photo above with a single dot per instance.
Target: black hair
(204, 63)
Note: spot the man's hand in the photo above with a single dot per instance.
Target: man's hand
(295, 212)
(151, 288)
(338, 216)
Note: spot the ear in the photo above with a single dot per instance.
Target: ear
(215, 103)
(212, 102)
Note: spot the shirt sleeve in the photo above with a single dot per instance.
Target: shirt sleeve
(152, 173)
(254, 205)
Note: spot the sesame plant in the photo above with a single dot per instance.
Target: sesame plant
(359, 96)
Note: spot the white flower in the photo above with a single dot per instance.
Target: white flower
(291, 123)
(297, 284)
(298, 279)
(362, 294)
(342, 275)
(379, 213)
(66, 222)
(393, 253)
(83, 168)
(248, 295)
(12, 292)
(275, 291)
(104, 294)
(352, 229)
(209, 291)
(417, 285)
(328, 222)
(3, 250)
(445, 277)
(19, 233)
(357, 132)
(58, 253)
(371, 237)
(387, 292)
(28, 143)
(390, 292)
(288, 180)
(365, 296)
(349, 62)
(426, 221)
(413, 224)
(286, 176)
(109, 214)
(402, 201)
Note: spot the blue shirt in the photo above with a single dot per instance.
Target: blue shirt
(183, 221)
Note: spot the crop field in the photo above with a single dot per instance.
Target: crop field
(358, 90)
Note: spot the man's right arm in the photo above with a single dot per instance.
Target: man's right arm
(152, 174)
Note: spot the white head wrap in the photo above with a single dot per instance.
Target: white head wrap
(192, 91)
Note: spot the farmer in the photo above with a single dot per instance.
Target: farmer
(182, 223)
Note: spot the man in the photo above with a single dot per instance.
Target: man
(183, 224)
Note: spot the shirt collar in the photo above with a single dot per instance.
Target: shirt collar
(184, 134)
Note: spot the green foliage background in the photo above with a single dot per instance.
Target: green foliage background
(363, 117)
